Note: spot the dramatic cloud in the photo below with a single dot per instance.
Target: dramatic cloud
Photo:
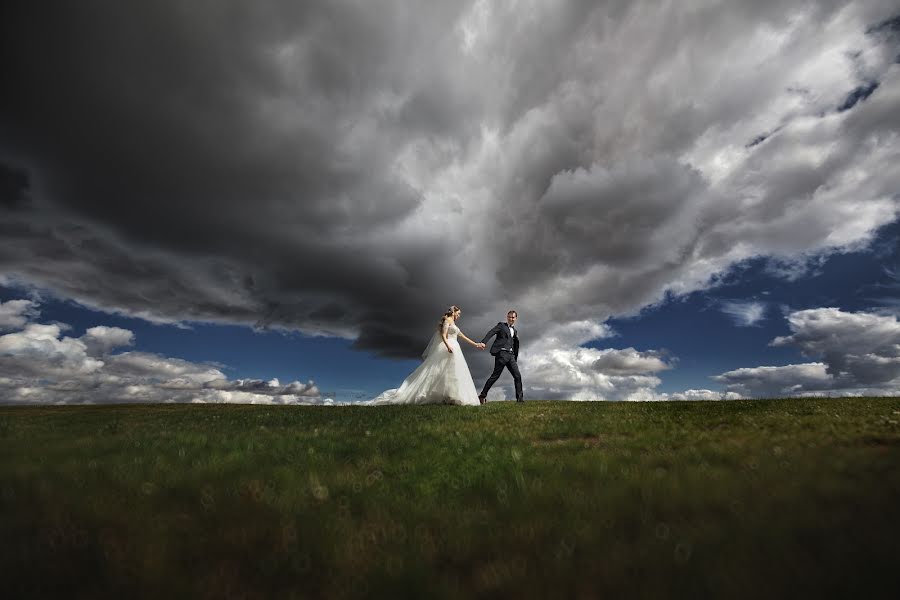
(100, 340)
(628, 361)
(860, 349)
(38, 351)
(859, 352)
(589, 374)
(15, 313)
(349, 169)
(788, 380)
(558, 367)
(39, 366)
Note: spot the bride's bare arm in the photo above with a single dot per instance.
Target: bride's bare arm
(444, 327)
(476, 344)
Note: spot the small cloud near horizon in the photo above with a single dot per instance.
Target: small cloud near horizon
(744, 314)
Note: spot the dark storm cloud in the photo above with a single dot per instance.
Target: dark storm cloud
(352, 168)
(13, 187)
(231, 158)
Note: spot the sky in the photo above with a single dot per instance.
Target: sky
(275, 202)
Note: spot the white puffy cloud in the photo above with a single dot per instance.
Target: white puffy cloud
(135, 365)
(860, 349)
(784, 380)
(591, 374)
(859, 352)
(15, 313)
(39, 351)
(100, 340)
(628, 361)
(556, 366)
(824, 330)
(39, 365)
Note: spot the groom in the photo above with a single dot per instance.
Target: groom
(506, 352)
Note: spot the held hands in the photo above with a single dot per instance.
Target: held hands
(478, 345)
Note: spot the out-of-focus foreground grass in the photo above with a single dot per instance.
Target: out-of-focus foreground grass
(740, 499)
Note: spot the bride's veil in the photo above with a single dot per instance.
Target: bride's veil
(436, 340)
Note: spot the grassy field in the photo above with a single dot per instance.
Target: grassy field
(743, 499)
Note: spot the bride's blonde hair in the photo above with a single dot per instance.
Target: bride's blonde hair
(447, 315)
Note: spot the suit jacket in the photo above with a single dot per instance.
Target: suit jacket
(501, 330)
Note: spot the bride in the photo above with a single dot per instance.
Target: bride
(443, 377)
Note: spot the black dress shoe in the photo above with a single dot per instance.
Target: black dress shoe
(482, 399)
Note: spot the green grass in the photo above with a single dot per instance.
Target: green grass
(742, 499)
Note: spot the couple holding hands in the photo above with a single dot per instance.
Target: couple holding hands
(444, 377)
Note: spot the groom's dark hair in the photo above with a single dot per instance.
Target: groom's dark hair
(512, 312)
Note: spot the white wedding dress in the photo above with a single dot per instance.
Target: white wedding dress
(442, 378)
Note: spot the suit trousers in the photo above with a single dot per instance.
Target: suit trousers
(508, 360)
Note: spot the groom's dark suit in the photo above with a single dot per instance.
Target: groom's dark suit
(505, 350)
